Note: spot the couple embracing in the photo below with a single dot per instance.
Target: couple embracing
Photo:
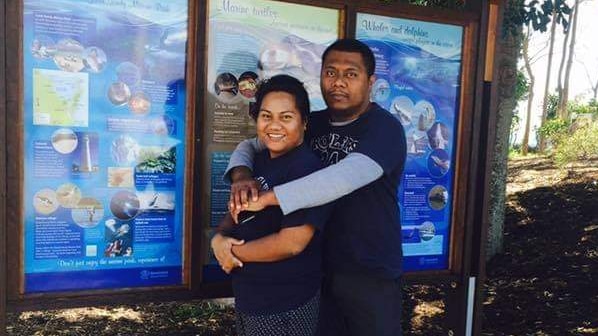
(313, 239)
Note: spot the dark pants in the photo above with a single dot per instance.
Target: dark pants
(358, 305)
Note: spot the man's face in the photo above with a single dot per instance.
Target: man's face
(345, 84)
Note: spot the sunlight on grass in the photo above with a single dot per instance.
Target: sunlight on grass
(425, 311)
(590, 228)
(584, 330)
(78, 314)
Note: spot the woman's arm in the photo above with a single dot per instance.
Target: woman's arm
(284, 244)
(222, 245)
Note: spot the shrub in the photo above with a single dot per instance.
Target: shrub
(555, 130)
(581, 145)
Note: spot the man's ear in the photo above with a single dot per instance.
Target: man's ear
(372, 80)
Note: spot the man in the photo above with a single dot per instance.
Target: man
(364, 146)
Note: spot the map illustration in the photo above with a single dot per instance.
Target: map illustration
(60, 98)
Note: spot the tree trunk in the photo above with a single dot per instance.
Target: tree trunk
(563, 111)
(530, 97)
(559, 89)
(542, 142)
(506, 63)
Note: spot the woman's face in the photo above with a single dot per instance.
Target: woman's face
(279, 123)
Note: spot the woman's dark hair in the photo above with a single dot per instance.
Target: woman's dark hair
(353, 45)
(282, 83)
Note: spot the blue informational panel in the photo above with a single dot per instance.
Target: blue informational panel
(104, 143)
(418, 70)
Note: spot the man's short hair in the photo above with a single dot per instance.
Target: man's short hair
(353, 45)
(282, 83)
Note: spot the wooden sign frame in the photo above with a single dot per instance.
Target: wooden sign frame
(15, 214)
(468, 223)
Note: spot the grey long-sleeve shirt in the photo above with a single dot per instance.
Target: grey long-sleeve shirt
(326, 185)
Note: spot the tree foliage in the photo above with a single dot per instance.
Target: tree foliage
(551, 108)
(538, 15)
(522, 86)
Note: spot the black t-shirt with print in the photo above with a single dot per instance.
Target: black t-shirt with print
(271, 287)
(364, 233)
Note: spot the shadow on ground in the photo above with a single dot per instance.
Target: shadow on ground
(545, 283)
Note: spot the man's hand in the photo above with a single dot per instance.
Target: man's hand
(242, 188)
(222, 247)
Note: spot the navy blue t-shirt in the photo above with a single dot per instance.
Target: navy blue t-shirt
(271, 287)
(364, 233)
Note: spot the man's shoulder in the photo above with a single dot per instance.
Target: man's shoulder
(321, 116)
(381, 117)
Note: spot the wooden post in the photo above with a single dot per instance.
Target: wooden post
(463, 295)
(490, 113)
(2, 173)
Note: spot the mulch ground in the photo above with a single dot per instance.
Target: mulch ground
(545, 282)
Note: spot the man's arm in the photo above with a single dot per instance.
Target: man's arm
(356, 170)
(239, 172)
(243, 156)
(284, 244)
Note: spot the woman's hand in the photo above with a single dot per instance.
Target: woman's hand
(222, 247)
(264, 200)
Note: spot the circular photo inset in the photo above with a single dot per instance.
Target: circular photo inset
(438, 197)
(164, 125)
(68, 195)
(88, 212)
(275, 57)
(119, 93)
(439, 163)
(69, 55)
(125, 205)
(427, 115)
(95, 59)
(427, 231)
(402, 107)
(226, 86)
(45, 202)
(43, 47)
(140, 103)
(248, 84)
(417, 142)
(128, 73)
(119, 239)
(380, 91)
(124, 150)
(64, 140)
(439, 136)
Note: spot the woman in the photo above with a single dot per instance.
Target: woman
(277, 287)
